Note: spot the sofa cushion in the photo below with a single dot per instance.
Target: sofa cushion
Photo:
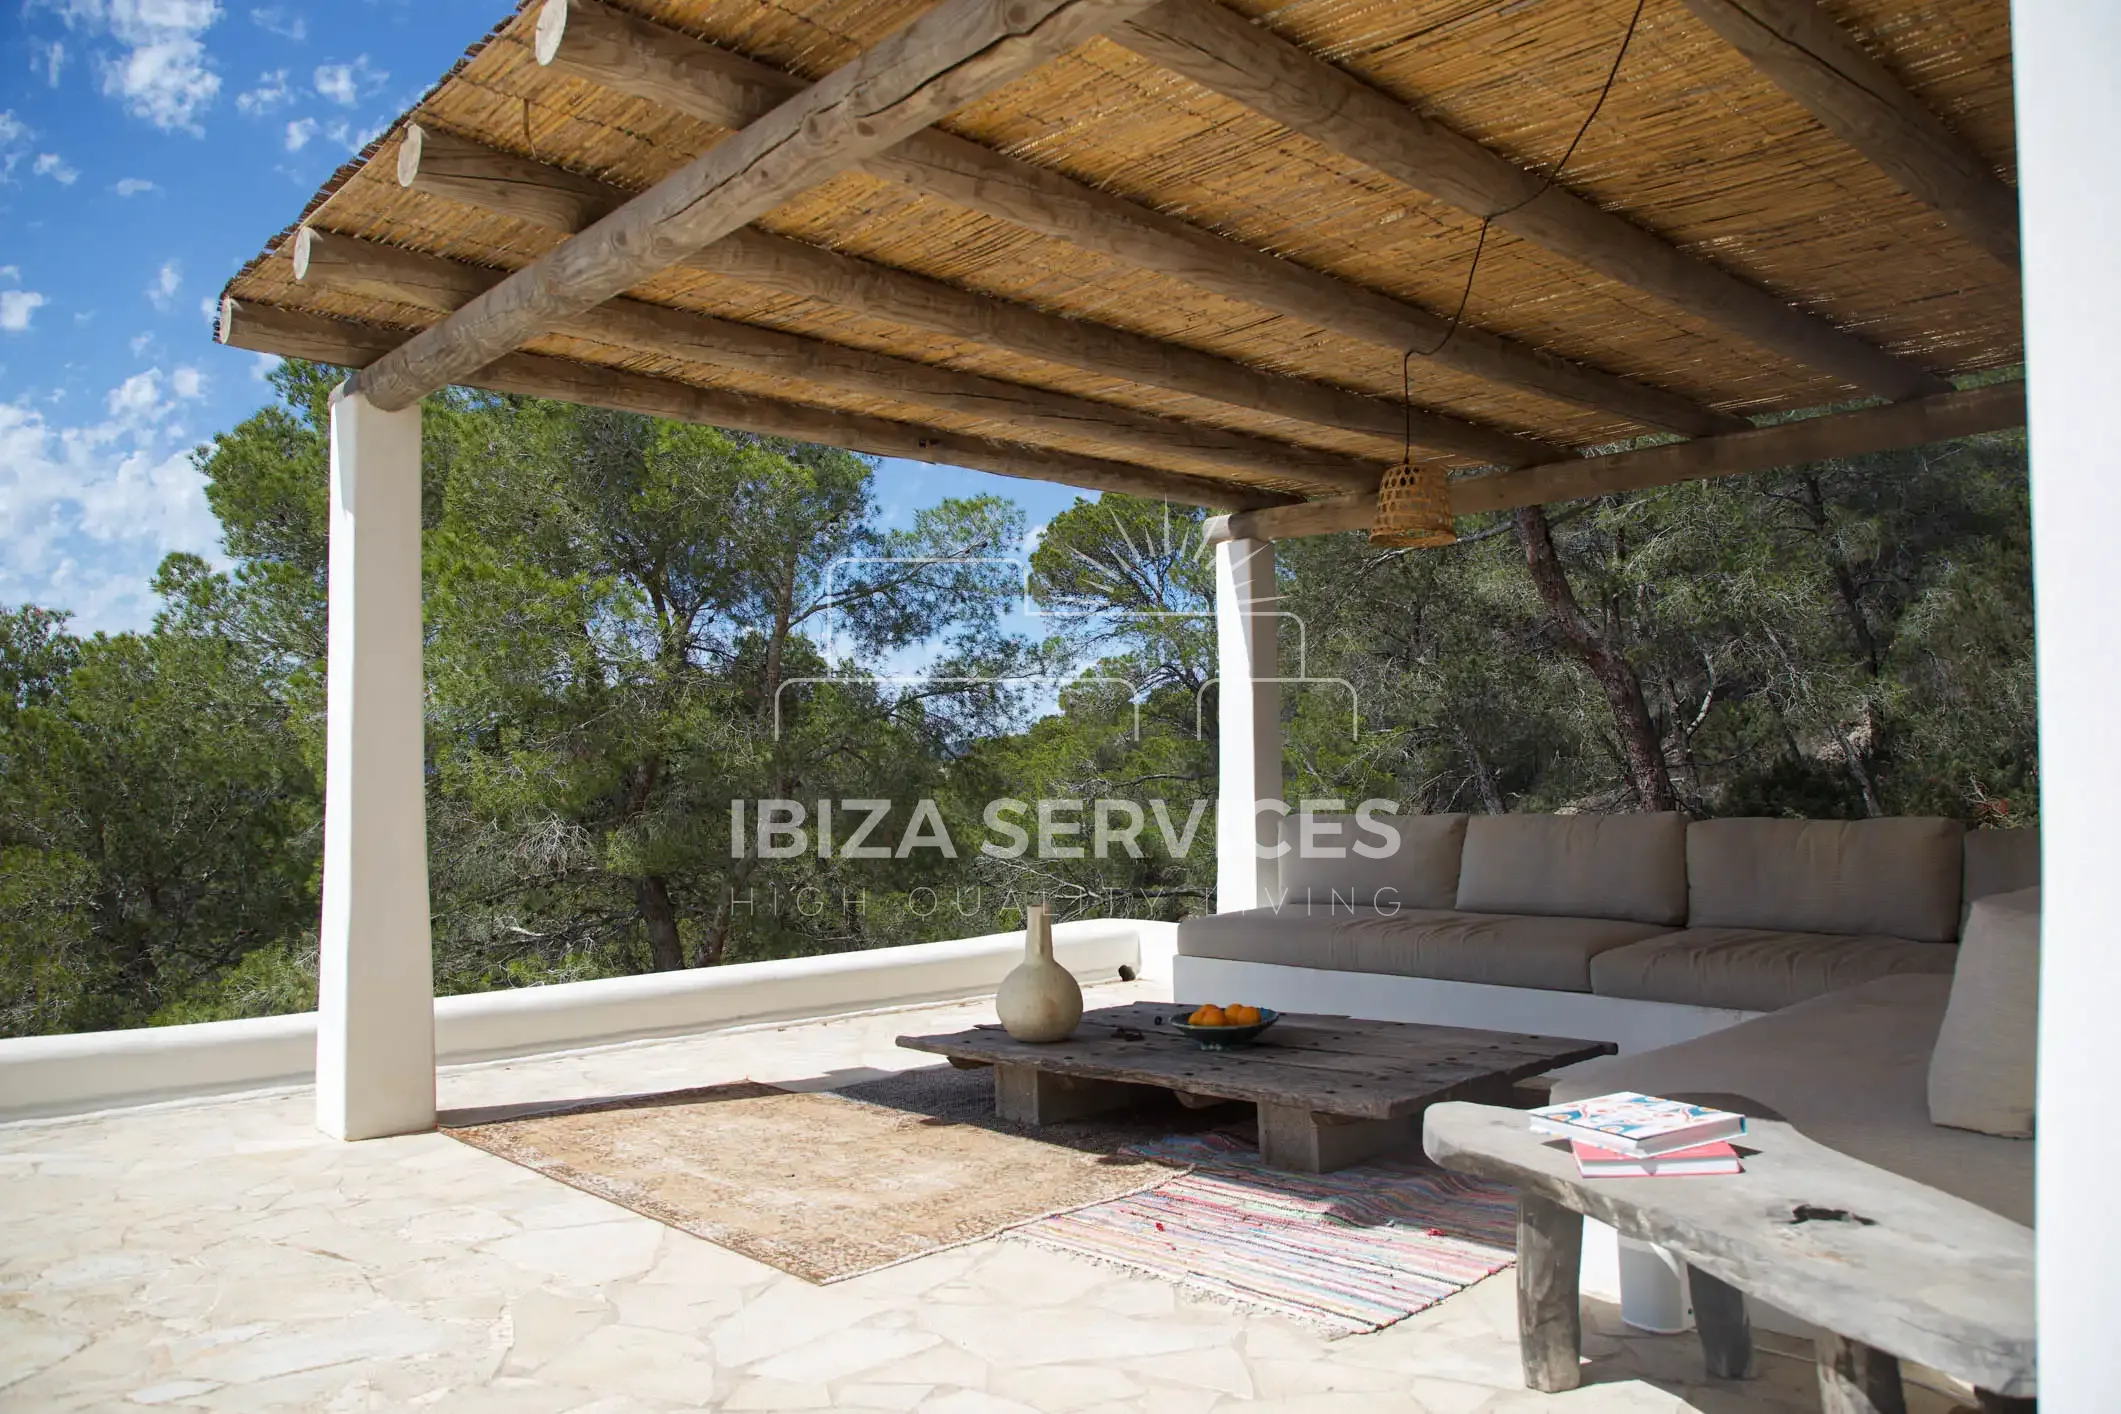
(1326, 859)
(1981, 1076)
(1756, 969)
(1896, 878)
(1998, 862)
(1576, 866)
(1501, 949)
(1849, 1070)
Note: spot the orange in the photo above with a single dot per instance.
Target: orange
(1208, 1015)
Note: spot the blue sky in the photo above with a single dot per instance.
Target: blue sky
(147, 149)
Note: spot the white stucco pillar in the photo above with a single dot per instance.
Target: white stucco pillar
(2068, 53)
(1249, 724)
(375, 1002)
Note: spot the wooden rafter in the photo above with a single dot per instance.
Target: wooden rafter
(428, 282)
(458, 169)
(1822, 66)
(588, 40)
(950, 56)
(1250, 64)
(292, 334)
(1848, 434)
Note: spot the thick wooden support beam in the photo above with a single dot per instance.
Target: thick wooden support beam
(1221, 50)
(1847, 434)
(479, 176)
(1815, 61)
(950, 56)
(588, 40)
(291, 334)
(376, 271)
(1855, 1378)
(1549, 1316)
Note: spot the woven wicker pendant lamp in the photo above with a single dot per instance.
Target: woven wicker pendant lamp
(1413, 502)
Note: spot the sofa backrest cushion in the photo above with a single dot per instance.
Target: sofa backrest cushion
(1576, 866)
(1999, 862)
(1981, 1072)
(1896, 878)
(1327, 859)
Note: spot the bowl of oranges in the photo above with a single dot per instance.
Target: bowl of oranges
(1220, 1028)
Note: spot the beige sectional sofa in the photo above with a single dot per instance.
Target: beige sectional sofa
(1603, 923)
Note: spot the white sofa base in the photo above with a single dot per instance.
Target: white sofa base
(1629, 1024)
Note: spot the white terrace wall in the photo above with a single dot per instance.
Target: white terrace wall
(46, 1075)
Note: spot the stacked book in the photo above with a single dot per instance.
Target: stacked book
(1627, 1135)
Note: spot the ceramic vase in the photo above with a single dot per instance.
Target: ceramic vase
(1039, 1002)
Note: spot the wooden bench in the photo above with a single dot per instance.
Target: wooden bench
(1331, 1091)
(1888, 1268)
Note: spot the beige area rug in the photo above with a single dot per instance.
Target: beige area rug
(828, 1185)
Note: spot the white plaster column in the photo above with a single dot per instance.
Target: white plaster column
(1249, 724)
(375, 1002)
(2068, 53)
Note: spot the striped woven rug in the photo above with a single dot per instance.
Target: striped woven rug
(1351, 1251)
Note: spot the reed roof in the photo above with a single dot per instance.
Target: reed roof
(1693, 144)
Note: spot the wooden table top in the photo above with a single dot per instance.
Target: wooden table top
(1326, 1064)
(1928, 1277)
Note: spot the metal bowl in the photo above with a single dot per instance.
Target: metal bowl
(1223, 1038)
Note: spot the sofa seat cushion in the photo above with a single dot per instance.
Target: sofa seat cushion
(1501, 949)
(1849, 1070)
(1756, 969)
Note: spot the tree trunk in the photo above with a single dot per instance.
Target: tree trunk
(1639, 740)
(652, 895)
(1844, 578)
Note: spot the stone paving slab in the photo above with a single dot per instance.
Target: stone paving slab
(223, 1255)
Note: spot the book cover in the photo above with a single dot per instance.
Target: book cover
(1702, 1159)
(1637, 1125)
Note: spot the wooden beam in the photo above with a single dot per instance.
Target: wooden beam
(1846, 434)
(588, 40)
(344, 344)
(1249, 63)
(1821, 65)
(374, 271)
(479, 176)
(951, 55)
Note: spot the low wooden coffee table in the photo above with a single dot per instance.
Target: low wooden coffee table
(1331, 1091)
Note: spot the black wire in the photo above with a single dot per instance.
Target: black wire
(1406, 364)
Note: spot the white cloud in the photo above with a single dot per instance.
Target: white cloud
(299, 132)
(187, 382)
(164, 289)
(16, 306)
(271, 94)
(348, 84)
(86, 512)
(133, 186)
(141, 342)
(50, 59)
(51, 164)
(161, 71)
(275, 20)
(14, 141)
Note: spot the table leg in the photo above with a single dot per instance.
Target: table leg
(1028, 1095)
(1855, 1378)
(1726, 1333)
(1304, 1141)
(1549, 1319)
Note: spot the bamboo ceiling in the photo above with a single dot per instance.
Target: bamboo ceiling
(1692, 143)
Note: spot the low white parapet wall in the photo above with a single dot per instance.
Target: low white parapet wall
(47, 1075)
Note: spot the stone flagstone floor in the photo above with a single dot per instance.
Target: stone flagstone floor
(221, 1254)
